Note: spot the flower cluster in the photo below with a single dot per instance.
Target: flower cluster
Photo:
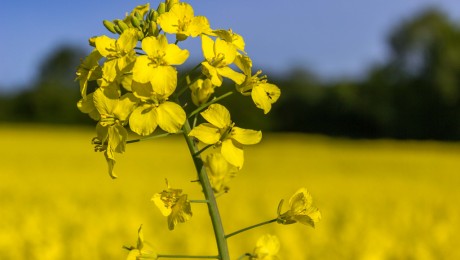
(130, 82)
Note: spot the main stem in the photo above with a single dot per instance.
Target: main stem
(219, 234)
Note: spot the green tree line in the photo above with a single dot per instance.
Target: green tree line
(415, 94)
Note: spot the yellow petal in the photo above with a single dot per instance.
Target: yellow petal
(153, 46)
(207, 46)
(142, 71)
(143, 120)
(86, 105)
(110, 70)
(232, 153)
(171, 117)
(264, 95)
(198, 26)
(181, 212)
(246, 136)
(118, 136)
(127, 41)
(300, 201)
(206, 133)
(105, 100)
(227, 72)
(217, 115)
(169, 22)
(174, 55)
(227, 49)
(143, 91)
(105, 45)
(211, 73)
(166, 211)
(125, 106)
(164, 80)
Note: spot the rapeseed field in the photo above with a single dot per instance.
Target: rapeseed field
(379, 199)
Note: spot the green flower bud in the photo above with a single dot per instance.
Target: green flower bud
(138, 15)
(117, 29)
(153, 29)
(109, 26)
(123, 26)
(170, 3)
(161, 8)
(135, 22)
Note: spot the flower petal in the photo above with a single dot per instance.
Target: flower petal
(181, 212)
(264, 95)
(164, 80)
(142, 71)
(217, 115)
(246, 136)
(105, 45)
(207, 45)
(175, 55)
(206, 133)
(171, 117)
(227, 72)
(232, 153)
(143, 120)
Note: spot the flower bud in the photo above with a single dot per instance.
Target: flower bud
(161, 8)
(138, 15)
(122, 25)
(109, 26)
(170, 3)
(135, 22)
(92, 41)
(201, 91)
(153, 29)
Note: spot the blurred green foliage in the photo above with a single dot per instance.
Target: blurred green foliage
(415, 94)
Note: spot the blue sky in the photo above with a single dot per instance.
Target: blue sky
(332, 38)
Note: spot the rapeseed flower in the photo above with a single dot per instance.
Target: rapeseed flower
(300, 210)
(201, 91)
(119, 54)
(181, 20)
(219, 55)
(114, 112)
(156, 66)
(263, 94)
(267, 248)
(174, 205)
(220, 172)
(222, 132)
(89, 70)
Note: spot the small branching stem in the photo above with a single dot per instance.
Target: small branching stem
(251, 227)
(150, 137)
(205, 105)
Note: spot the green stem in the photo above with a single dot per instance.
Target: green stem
(151, 137)
(202, 150)
(198, 201)
(251, 227)
(213, 209)
(189, 256)
(205, 105)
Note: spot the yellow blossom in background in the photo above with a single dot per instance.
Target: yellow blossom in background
(221, 131)
(267, 248)
(263, 93)
(119, 53)
(218, 56)
(181, 20)
(89, 70)
(220, 172)
(141, 250)
(156, 67)
(174, 205)
(300, 210)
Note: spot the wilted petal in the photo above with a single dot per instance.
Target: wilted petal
(181, 212)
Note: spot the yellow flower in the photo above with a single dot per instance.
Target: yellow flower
(181, 20)
(155, 67)
(218, 56)
(88, 70)
(267, 248)
(174, 205)
(141, 250)
(231, 37)
(300, 210)
(263, 94)
(201, 91)
(119, 53)
(154, 110)
(220, 172)
(221, 131)
(114, 112)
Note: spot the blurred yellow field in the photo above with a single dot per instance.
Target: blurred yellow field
(379, 199)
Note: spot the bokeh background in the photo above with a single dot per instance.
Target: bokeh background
(368, 121)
